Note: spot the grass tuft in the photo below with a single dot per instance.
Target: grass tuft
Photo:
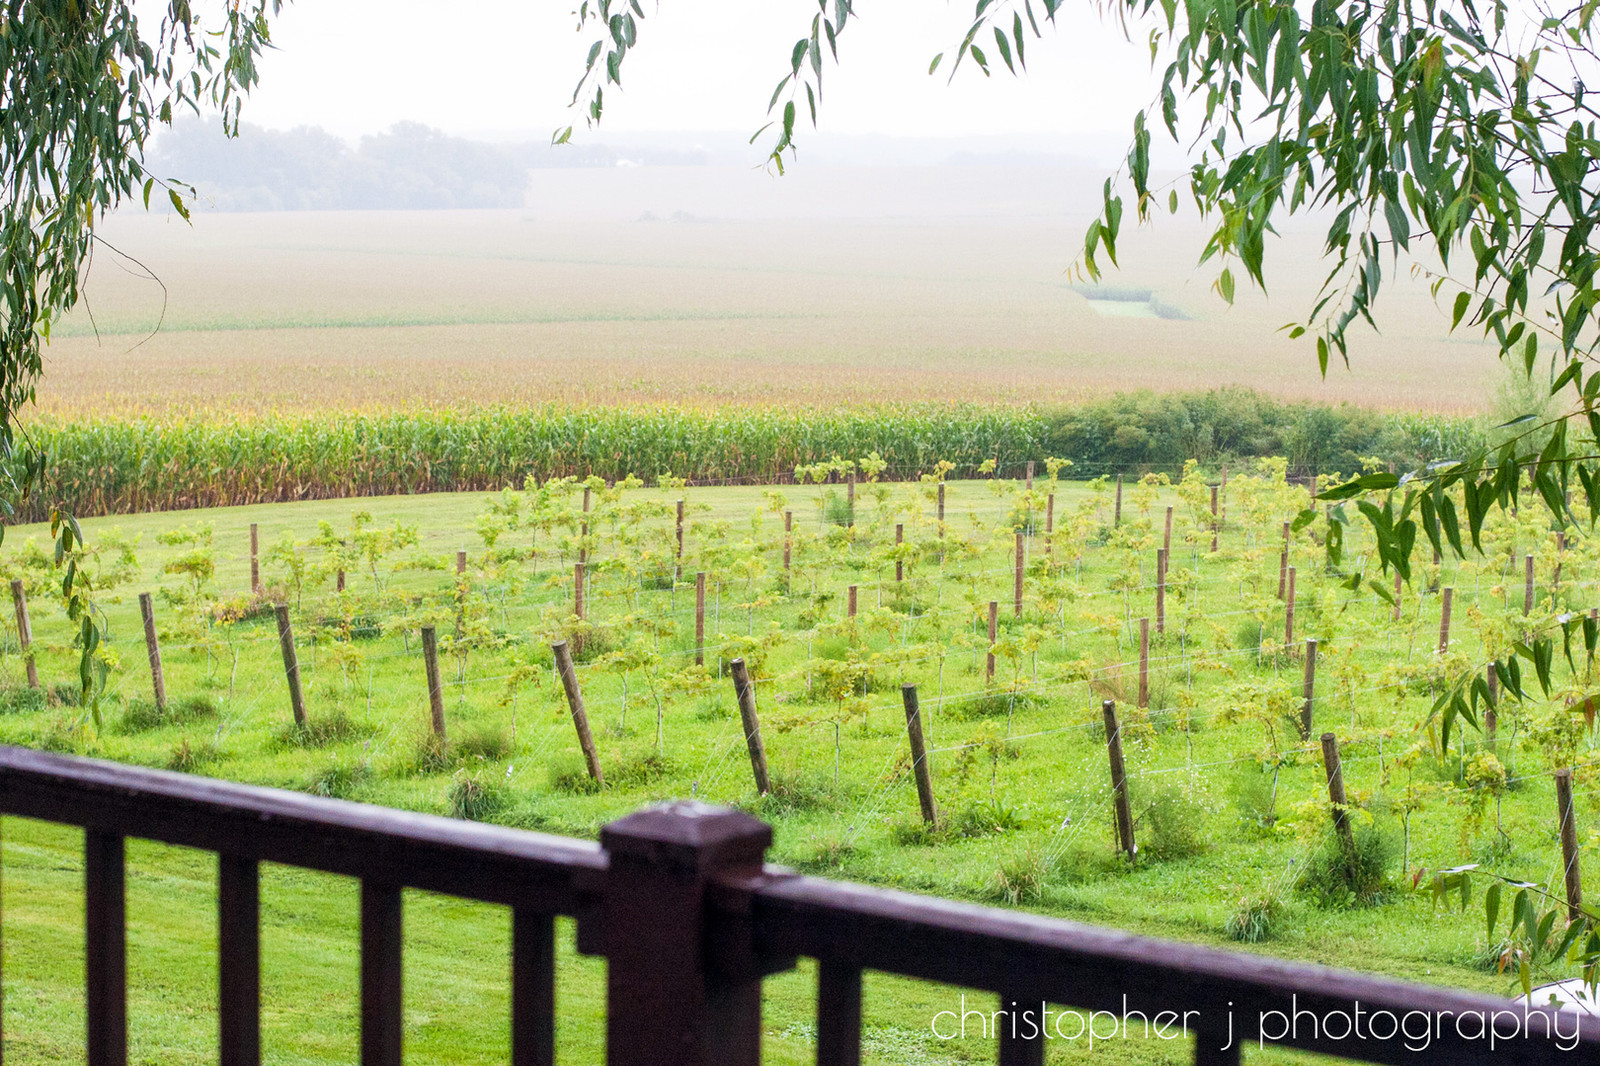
(474, 799)
(21, 699)
(142, 714)
(338, 779)
(1256, 918)
(320, 731)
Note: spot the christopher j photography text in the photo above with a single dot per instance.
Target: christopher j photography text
(1416, 1030)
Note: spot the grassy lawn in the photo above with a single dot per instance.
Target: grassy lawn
(1230, 801)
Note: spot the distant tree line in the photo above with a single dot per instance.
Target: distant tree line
(309, 169)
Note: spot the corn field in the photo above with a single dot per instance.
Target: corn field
(102, 466)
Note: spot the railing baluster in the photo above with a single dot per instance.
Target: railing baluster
(1015, 1049)
(838, 1015)
(239, 960)
(380, 975)
(2, 996)
(1208, 1047)
(533, 988)
(105, 934)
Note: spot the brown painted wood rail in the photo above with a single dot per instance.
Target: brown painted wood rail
(679, 901)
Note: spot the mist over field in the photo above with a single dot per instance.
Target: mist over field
(664, 269)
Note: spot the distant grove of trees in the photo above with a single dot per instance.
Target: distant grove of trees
(408, 167)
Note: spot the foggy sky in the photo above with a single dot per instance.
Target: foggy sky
(506, 68)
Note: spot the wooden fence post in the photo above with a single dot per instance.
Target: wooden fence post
(679, 568)
(583, 528)
(1161, 590)
(19, 599)
(1336, 796)
(1119, 781)
(1288, 612)
(788, 537)
(851, 599)
(1030, 475)
(255, 558)
(919, 755)
(1569, 843)
(1283, 562)
(580, 717)
(1016, 594)
(1309, 692)
(745, 692)
(1527, 596)
(899, 563)
(430, 662)
(941, 509)
(1166, 537)
(461, 561)
(1214, 526)
(291, 665)
(850, 499)
(1144, 663)
(994, 635)
(1445, 596)
(152, 647)
(1117, 517)
(339, 581)
(578, 575)
(700, 618)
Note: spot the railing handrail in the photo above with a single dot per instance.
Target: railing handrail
(1034, 958)
(472, 860)
(690, 920)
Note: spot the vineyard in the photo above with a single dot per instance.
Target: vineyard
(553, 655)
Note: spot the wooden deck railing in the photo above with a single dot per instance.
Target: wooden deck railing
(690, 919)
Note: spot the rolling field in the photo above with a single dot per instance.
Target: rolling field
(707, 287)
(1231, 809)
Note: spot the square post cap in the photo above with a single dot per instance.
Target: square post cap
(689, 836)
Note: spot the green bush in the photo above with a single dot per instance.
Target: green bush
(1337, 876)
(1174, 823)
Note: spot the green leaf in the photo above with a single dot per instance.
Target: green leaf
(1375, 482)
(1491, 908)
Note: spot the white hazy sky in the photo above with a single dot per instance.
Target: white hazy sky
(507, 67)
